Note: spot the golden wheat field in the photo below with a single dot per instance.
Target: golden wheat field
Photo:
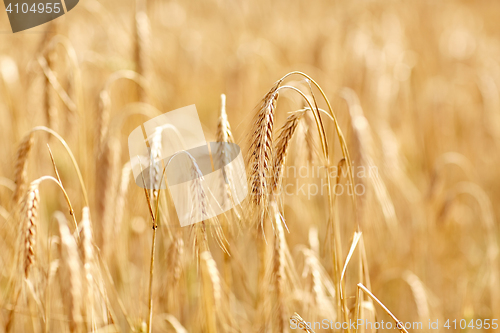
(370, 133)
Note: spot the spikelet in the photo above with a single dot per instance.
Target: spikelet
(30, 213)
(21, 167)
(261, 153)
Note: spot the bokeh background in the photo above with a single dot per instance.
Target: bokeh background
(415, 86)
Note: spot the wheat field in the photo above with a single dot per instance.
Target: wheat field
(370, 131)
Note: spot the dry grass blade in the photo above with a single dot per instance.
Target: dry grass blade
(355, 240)
(399, 323)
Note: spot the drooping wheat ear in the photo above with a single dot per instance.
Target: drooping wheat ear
(281, 148)
(71, 284)
(30, 213)
(261, 153)
(21, 167)
(279, 264)
(301, 323)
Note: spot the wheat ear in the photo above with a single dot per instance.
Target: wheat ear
(261, 153)
(21, 167)
(107, 183)
(31, 205)
(71, 284)
(281, 147)
(224, 137)
(86, 250)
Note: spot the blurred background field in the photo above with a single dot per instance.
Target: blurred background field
(415, 86)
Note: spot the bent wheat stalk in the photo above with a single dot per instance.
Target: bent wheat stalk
(68, 150)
